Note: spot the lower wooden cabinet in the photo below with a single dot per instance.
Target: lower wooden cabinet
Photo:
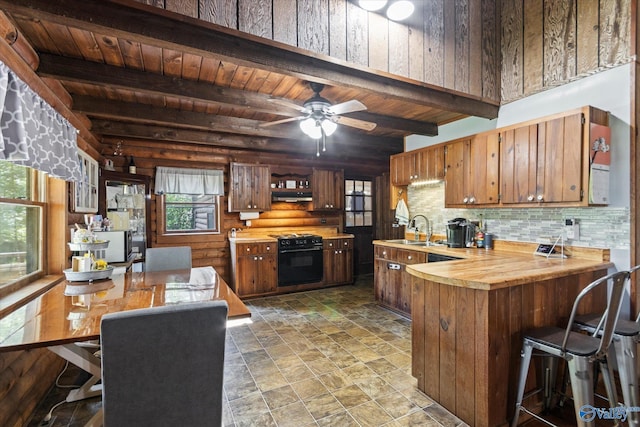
(255, 269)
(338, 261)
(392, 283)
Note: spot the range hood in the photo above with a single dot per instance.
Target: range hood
(291, 196)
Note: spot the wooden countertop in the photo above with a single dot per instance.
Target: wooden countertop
(258, 238)
(500, 268)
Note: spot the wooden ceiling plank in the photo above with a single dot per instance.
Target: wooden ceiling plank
(110, 49)
(61, 32)
(165, 29)
(87, 44)
(39, 33)
(208, 70)
(152, 58)
(131, 54)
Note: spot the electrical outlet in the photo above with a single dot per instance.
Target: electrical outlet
(572, 228)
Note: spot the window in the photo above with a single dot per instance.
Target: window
(21, 216)
(189, 213)
(358, 203)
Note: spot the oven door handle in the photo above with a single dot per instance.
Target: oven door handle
(288, 251)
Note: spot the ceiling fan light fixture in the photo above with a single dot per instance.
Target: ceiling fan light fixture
(372, 5)
(400, 10)
(311, 127)
(328, 127)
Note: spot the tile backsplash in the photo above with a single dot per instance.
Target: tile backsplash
(602, 227)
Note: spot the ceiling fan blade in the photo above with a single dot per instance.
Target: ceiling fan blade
(354, 123)
(347, 107)
(288, 104)
(277, 122)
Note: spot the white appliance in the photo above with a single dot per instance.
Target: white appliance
(120, 245)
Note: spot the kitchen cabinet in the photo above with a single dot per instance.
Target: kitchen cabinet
(392, 283)
(255, 270)
(249, 188)
(338, 261)
(471, 176)
(328, 190)
(544, 162)
(426, 164)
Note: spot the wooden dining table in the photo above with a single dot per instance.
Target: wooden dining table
(66, 319)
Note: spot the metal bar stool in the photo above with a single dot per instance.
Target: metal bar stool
(625, 347)
(579, 350)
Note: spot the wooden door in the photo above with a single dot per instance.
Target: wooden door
(240, 194)
(246, 275)
(267, 276)
(323, 189)
(559, 176)
(397, 171)
(433, 163)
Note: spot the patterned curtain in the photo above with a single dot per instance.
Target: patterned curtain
(32, 133)
(189, 181)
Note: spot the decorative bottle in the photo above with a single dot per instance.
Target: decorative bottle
(132, 165)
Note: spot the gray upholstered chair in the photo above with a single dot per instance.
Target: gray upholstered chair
(163, 366)
(167, 258)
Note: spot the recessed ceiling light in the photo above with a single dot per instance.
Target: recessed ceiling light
(372, 5)
(400, 10)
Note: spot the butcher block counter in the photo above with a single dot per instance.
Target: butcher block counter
(468, 316)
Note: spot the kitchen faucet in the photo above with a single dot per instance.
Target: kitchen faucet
(417, 230)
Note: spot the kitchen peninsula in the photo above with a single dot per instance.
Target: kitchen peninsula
(468, 315)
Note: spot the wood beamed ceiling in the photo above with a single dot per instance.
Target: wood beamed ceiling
(135, 71)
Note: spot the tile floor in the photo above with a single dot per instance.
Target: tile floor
(329, 357)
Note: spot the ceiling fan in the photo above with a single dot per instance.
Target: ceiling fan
(320, 117)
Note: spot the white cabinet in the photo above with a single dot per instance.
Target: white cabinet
(85, 194)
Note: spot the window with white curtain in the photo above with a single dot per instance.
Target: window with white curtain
(189, 199)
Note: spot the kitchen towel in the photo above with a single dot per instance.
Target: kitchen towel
(402, 213)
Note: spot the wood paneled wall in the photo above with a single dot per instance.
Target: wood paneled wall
(25, 376)
(213, 249)
(551, 42)
(444, 44)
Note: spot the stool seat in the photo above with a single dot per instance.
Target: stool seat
(624, 327)
(578, 344)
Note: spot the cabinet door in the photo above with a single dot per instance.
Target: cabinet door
(325, 192)
(267, 277)
(483, 165)
(455, 173)
(560, 160)
(519, 164)
(397, 170)
(246, 275)
(261, 190)
(240, 194)
(433, 163)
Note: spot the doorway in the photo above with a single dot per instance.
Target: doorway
(359, 216)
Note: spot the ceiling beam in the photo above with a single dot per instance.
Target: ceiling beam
(214, 139)
(149, 25)
(179, 119)
(93, 73)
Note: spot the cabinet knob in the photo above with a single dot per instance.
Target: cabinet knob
(540, 197)
(465, 200)
(248, 249)
(346, 243)
(409, 257)
(384, 253)
(530, 198)
(255, 258)
(472, 199)
(260, 258)
(330, 245)
(268, 248)
(249, 206)
(255, 206)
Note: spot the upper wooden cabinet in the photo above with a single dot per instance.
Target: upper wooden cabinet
(420, 165)
(249, 187)
(472, 171)
(548, 161)
(328, 190)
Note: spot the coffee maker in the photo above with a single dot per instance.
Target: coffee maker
(460, 233)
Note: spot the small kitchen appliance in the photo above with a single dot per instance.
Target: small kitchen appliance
(460, 233)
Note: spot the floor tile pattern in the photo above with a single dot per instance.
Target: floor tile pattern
(328, 357)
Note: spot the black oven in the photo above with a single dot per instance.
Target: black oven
(299, 259)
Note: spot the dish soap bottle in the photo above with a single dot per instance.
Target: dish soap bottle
(132, 165)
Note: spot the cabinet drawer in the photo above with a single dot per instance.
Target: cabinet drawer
(385, 252)
(256, 248)
(411, 257)
(337, 243)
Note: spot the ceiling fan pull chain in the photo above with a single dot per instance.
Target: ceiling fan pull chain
(317, 148)
(324, 140)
